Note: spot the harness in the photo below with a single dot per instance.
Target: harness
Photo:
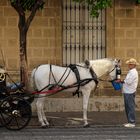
(94, 76)
(75, 70)
(73, 67)
(58, 86)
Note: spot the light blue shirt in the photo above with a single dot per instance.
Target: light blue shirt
(131, 82)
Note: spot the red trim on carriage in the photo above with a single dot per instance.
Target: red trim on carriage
(49, 91)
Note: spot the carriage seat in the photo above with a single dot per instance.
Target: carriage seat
(14, 86)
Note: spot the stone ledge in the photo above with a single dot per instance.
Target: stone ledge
(103, 103)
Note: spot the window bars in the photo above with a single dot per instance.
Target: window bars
(83, 35)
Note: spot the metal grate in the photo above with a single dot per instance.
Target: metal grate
(83, 36)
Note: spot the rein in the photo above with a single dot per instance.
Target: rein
(107, 74)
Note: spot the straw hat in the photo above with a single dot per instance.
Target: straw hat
(132, 61)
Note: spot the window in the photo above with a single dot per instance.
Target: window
(83, 35)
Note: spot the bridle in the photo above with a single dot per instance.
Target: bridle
(115, 67)
(112, 69)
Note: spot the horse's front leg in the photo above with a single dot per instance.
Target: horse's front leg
(86, 94)
(40, 112)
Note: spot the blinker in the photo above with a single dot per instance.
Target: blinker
(118, 72)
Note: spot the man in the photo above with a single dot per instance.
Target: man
(130, 84)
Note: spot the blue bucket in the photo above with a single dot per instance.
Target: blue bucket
(116, 85)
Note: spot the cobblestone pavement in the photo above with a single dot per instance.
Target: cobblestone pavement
(96, 132)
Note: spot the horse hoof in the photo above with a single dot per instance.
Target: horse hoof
(86, 126)
(45, 126)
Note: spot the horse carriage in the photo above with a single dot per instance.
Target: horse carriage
(15, 103)
(15, 108)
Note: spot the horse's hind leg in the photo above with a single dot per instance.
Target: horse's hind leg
(40, 112)
(86, 95)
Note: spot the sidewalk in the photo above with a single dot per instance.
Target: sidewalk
(74, 119)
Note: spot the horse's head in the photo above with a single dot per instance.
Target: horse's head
(115, 71)
(104, 66)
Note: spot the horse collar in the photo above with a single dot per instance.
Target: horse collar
(94, 76)
(73, 67)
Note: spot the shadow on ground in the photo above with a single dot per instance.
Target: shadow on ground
(74, 119)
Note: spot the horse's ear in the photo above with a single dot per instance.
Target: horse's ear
(87, 63)
(118, 61)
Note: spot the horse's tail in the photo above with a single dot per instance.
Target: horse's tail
(32, 80)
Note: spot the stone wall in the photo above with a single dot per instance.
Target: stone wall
(127, 29)
(123, 32)
(43, 41)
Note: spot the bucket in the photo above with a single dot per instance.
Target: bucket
(116, 85)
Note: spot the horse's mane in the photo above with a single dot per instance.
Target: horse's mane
(99, 61)
(94, 61)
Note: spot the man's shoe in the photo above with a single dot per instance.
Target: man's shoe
(125, 124)
(129, 125)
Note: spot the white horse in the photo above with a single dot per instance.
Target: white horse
(46, 77)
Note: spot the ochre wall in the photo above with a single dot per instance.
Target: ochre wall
(123, 32)
(44, 40)
(44, 43)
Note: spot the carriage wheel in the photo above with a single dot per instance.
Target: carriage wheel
(15, 112)
(2, 96)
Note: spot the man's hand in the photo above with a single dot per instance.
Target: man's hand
(119, 81)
